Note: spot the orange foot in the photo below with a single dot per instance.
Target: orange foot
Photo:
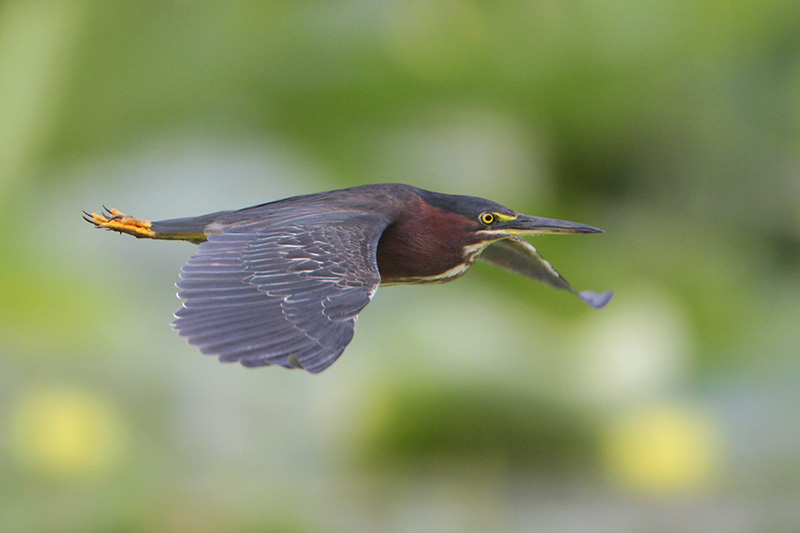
(115, 220)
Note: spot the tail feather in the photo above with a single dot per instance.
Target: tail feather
(192, 229)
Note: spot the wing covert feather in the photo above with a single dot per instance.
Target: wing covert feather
(282, 292)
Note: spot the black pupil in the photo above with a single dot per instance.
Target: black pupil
(488, 218)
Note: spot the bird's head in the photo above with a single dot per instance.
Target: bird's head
(486, 221)
(437, 237)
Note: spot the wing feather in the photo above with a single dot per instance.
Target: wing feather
(286, 290)
(518, 255)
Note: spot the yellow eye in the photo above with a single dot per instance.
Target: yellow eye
(487, 218)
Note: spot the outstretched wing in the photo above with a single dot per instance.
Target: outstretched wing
(283, 292)
(518, 255)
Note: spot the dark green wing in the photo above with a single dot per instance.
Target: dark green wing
(518, 255)
(286, 291)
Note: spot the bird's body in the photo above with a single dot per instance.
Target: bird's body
(283, 282)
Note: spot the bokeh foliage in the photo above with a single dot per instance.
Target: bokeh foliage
(488, 403)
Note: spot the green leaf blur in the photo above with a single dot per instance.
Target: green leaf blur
(489, 403)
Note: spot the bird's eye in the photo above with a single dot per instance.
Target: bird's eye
(487, 218)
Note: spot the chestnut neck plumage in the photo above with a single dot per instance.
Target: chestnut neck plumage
(421, 248)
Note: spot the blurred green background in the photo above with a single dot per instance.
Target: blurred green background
(492, 403)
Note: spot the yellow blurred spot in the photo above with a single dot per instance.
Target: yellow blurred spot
(65, 432)
(662, 449)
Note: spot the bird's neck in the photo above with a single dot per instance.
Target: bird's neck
(422, 248)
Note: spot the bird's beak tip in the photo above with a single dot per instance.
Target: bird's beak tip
(550, 225)
(575, 227)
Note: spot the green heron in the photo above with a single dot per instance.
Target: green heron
(282, 283)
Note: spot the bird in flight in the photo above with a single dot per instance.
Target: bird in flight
(282, 283)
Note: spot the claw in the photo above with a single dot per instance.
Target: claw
(90, 218)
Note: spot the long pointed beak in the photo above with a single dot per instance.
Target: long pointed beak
(527, 225)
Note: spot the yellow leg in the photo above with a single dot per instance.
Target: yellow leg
(118, 221)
